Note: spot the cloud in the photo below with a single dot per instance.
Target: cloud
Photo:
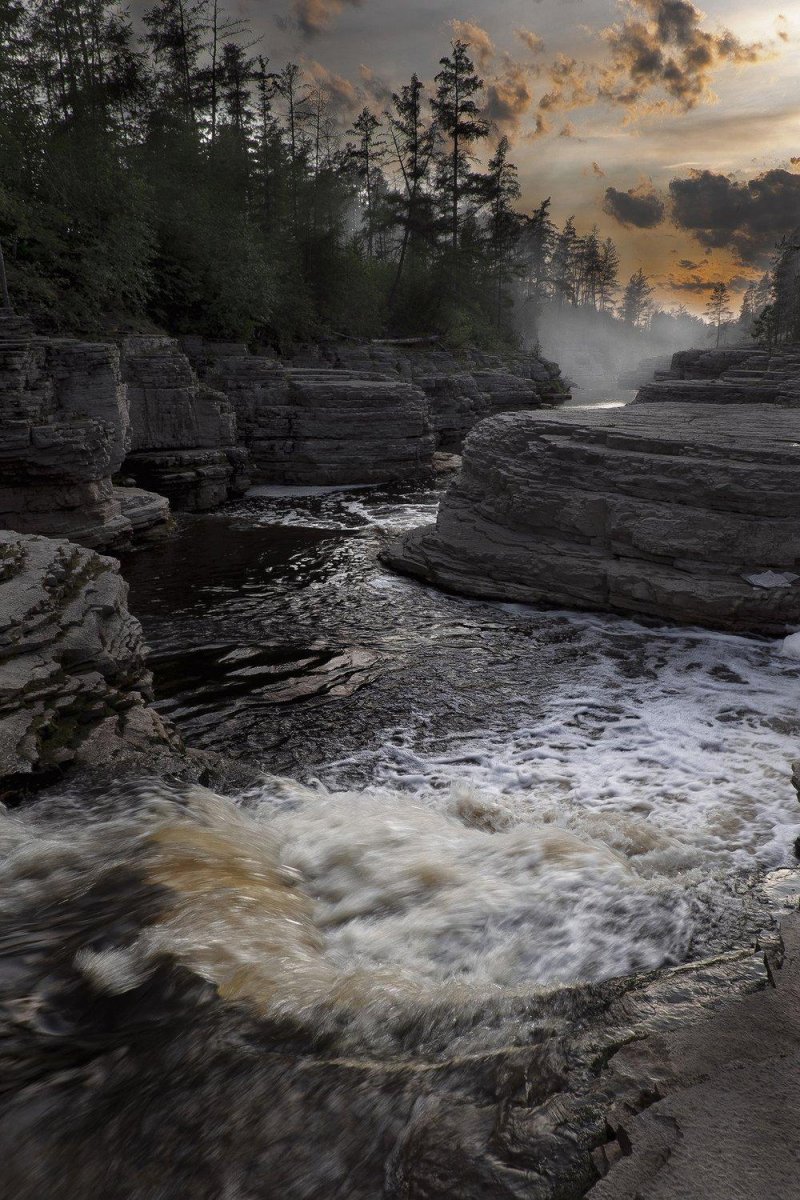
(509, 96)
(540, 130)
(641, 207)
(479, 41)
(663, 46)
(571, 88)
(375, 86)
(698, 286)
(748, 217)
(532, 40)
(568, 130)
(343, 96)
(598, 170)
(316, 16)
(688, 265)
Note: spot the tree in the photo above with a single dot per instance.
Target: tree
(608, 275)
(5, 299)
(413, 143)
(501, 185)
(637, 299)
(565, 263)
(367, 154)
(718, 308)
(537, 241)
(458, 115)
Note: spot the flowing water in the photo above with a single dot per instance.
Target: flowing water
(469, 795)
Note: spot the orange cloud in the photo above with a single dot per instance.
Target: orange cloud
(478, 40)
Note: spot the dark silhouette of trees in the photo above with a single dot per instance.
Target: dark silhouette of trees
(718, 308)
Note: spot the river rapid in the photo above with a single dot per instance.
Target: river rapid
(469, 795)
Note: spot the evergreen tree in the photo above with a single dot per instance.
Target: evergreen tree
(457, 109)
(718, 308)
(501, 187)
(636, 301)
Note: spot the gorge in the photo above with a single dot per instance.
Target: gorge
(459, 874)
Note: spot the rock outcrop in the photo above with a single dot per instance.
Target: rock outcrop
(317, 425)
(463, 388)
(183, 441)
(64, 432)
(721, 1121)
(74, 682)
(689, 513)
(730, 375)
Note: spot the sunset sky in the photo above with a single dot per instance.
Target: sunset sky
(672, 128)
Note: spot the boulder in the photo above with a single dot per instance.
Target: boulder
(65, 432)
(74, 682)
(183, 440)
(685, 513)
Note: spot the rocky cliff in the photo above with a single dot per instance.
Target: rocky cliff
(64, 432)
(730, 375)
(183, 441)
(74, 683)
(317, 425)
(689, 513)
(462, 387)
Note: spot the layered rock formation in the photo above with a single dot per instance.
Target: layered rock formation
(684, 512)
(183, 441)
(735, 375)
(74, 682)
(64, 434)
(462, 388)
(322, 426)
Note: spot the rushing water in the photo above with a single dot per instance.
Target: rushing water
(485, 792)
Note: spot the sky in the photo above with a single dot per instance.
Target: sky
(670, 127)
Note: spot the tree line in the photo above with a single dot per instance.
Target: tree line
(173, 177)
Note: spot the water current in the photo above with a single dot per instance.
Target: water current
(473, 793)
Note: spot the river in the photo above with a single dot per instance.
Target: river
(480, 791)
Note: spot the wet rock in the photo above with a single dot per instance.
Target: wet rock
(724, 1124)
(183, 434)
(684, 513)
(74, 682)
(64, 433)
(148, 513)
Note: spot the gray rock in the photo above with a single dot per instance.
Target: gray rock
(727, 1091)
(64, 431)
(661, 510)
(325, 426)
(183, 434)
(736, 375)
(74, 682)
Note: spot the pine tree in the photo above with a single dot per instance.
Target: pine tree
(565, 264)
(458, 116)
(501, 186)
(413, 144)
(637, 299)
(367, 154)
(718, 308)
(608, 280)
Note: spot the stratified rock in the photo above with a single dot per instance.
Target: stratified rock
(63, 434)
(183, 434)
(148, 513)
(688, 513)
(324, 426)
(463, 387)
(735, 375)
(74, 682)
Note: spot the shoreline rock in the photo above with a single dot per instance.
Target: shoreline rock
(730, 375)
(682, 513)
(74, 680)
(184, 442)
